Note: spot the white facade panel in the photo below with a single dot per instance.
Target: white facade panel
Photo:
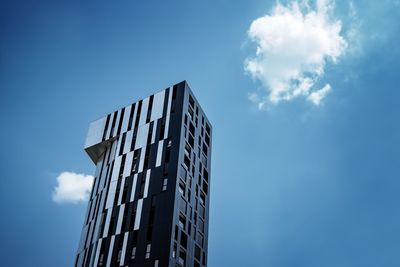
(158, 106)
(138, 214)
(141, 159)
(143, 112)
(153, 136)
(117, 166)
(107, 223)
(141, 138)
(128, 164)
(159, 152)
(133, 187)
(121, 192)
(114, 132)
(125, 242)
(146, 185)
(128, 142)
(95, 132)
(111, 194)
(125, 120)
(110, 251)
(120, 218)
(113, 150)
(168, 112)
(96, 259)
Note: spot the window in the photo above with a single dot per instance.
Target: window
(201, 225)
(200, 239)
(150, 133)
(121, 117)
(113, 123)
(133, 216)
(148, 250)
(202, 198)
(111, 225)
(182, 173)
(191, 101)
(131, 117)
(197, 252)
(186, 161)
(133, 254)
(201, 211)
(135, 161)
(205, 149)
(119, 256)
(162, 129)
(184, 240)
(167, 154)
(174, 92)
(182, 257)
(124, 192)
(182, 221)
(187, 150)
(101, 259)
(106, 126)
(205, 187)
(205, 174)
(191, 140)
(142, 184)
(124, 219)
(138, 114)
(164, 185)
(122, 166)
(207, 139)
(121, 148)
(149, 109)
(182, 205)
(181, 188)
(191, 128)
(134, 135)
(174, 251)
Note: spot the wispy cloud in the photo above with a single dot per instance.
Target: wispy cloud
(72, 187)
(294, 43)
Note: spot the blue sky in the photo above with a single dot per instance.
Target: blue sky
(294, 183)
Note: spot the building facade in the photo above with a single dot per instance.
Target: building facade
(149, 204)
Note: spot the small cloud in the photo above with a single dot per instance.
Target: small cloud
(72, 187)
(294, 43)
(317, 96)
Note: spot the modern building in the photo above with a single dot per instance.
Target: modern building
(149, 204)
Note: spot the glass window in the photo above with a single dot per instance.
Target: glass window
(133, 255)
(148, 250)
(164, 185)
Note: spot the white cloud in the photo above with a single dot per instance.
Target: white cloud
(72, 187)
(316, 96)
(294, 43)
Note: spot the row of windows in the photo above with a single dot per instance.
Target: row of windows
(191, 222)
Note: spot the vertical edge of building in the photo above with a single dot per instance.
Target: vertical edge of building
(149, 204)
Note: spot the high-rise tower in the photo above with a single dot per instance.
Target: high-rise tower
(149, 204)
